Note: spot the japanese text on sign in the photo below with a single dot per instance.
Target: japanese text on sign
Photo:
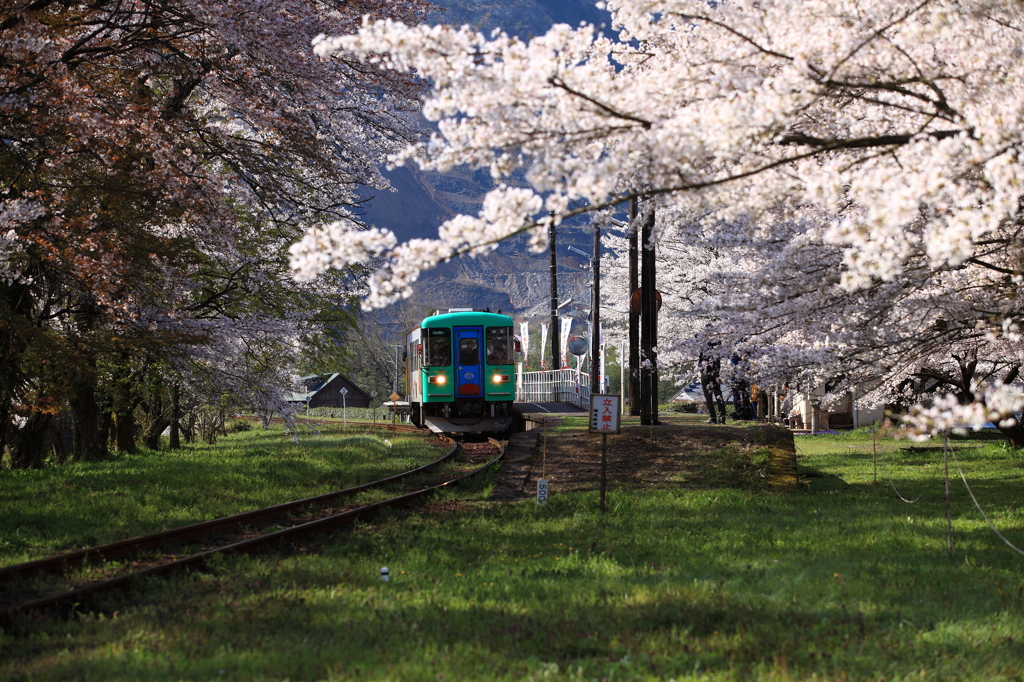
(604, 413)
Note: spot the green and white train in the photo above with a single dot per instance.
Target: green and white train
(460, 372)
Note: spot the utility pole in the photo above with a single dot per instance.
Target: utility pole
(648, 325)
(396, 347)
(556, 355)
(595, 307)
(634, 315)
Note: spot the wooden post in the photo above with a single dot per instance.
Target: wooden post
(949, 509)
(634, 315)
(544, 454)
(648, 325)
(595, 334)
(874, 460)
(556, 355)
(604, 468)
(623, 388)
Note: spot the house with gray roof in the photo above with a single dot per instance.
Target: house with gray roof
(325, 391)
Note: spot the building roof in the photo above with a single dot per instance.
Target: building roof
(308, 395)
(691, 393)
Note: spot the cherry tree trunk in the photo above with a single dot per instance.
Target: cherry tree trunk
(1014, 435)
(124, 410)
(175, 439)
(87, 445)
(28, 445)
(634, 314)
(159, 418)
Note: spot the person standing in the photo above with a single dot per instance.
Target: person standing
(710, 368)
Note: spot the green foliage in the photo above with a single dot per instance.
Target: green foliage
(239, 425)
(716, 584)
(365, 414)
(82, 504)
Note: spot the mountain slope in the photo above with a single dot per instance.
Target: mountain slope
(510, 278)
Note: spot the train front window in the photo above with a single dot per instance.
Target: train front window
(469, 352)
(439, 348)
(499, 345)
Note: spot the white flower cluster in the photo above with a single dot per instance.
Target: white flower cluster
(902, 120)
(998, 404)
(9, 246)
(14, 214)
(337, 245)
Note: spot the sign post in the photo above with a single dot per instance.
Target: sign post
(542, 482)
(542, 491)
(604, 419)
(344, 406)
(394, 411)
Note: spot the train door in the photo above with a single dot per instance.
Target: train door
(468, 362)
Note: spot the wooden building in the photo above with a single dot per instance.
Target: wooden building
(326, 392)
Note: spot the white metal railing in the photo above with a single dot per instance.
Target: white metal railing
(554, 386)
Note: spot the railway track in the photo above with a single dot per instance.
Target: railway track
(81, 594)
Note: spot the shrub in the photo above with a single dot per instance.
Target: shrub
(239, 425)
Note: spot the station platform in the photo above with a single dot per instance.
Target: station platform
(546, 408)
(523, 416)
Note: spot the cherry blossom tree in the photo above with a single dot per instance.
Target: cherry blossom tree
(158, 157)
(898, 341)
(874, 146)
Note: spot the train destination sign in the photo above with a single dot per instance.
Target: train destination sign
(604, 413)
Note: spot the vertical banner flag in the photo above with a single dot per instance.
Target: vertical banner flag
(566, 323)
(543, 343)
(525, 331)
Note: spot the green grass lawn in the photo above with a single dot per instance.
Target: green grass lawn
(58, 508)
(832, 583)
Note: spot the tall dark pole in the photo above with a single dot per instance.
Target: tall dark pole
(595, 307)
(648, 325)
(556, 356)
(634, 315)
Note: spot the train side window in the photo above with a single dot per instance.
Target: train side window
(498, 345)
(439, 350)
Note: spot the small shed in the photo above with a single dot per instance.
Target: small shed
(326, 392)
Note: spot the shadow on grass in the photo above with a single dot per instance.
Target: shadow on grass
(817, 611)
(842, 584)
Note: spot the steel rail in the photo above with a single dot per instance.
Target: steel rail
(132, 546)
(8, 617)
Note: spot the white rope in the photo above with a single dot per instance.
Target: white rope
(885, 468)
(980, 510)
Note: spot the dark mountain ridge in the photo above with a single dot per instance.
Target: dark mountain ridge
(511, 278)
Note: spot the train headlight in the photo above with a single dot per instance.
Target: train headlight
(436, 380)
(500, 378)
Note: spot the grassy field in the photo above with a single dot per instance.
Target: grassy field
(80, 505)
(835, 582)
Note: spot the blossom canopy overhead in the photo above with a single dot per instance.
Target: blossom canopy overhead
(900, 121)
